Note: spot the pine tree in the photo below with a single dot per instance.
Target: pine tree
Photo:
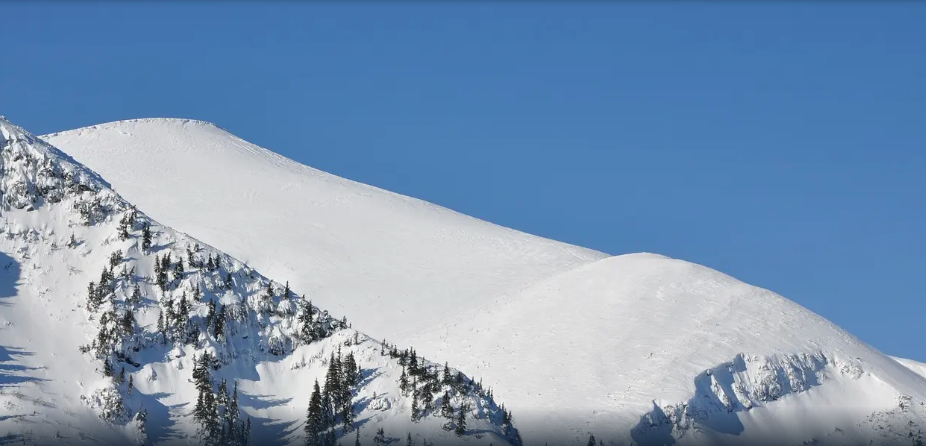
(161, 328)
(348, 381)
(446, 410)
(267, 300)
(107, 368)
(218, 329)
(93, 297)
(162, 272)
(413, 363)
(121, 378)
(131, 386)
(506, 422)
(416, 411)
(591, 440)
(306, 326)
(403, 382)
(178, 270)
(136, 295)
(448, 378)
(228, 281)
(409, 441)
(124, 229)
(231, 416)
(461, 421)
(380, 438)
(357, 438)
(326, 413)
(315, 419)
(210, 315)
(222, 398)
(146, 238)
(349, 371)
(206, 410)
(286, 292)
(128, 323)
(190, 258)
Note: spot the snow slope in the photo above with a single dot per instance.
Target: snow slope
(60, 224)
(917, 367)
(354, 248)
(636, 348)
(643, 348)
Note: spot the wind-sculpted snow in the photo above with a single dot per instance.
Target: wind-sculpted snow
(743, 391)
(110, 323)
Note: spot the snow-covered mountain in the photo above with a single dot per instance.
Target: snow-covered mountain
(347, 244)
(631, 349)
(115, 329)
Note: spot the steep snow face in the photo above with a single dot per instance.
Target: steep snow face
(158, 306)
(354, 248)
(649, 349)
(918, 367)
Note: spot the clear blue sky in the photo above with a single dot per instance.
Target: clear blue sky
(783, 143)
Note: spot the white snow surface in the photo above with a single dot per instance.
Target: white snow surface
(918, 367)
(51, 392)
(602, 343)
(637, 347)
(354, 248)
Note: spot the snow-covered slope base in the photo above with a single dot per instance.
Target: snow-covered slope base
(356, 249)
(175, 342)
(643, 348)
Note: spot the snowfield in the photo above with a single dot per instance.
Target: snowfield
(354, 248)
(636, 348)
(641, 339)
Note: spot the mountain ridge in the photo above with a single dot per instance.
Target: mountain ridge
(634, 349)
(360, 245)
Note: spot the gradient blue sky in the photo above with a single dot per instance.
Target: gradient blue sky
(782, 143)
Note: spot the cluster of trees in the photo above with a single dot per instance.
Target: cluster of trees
(174, 323)
(117, 320)
(119, 378)
(216, 411)
(311, 327)
(333, 405)
(423, 382)
(167, 273)
(127, 221)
